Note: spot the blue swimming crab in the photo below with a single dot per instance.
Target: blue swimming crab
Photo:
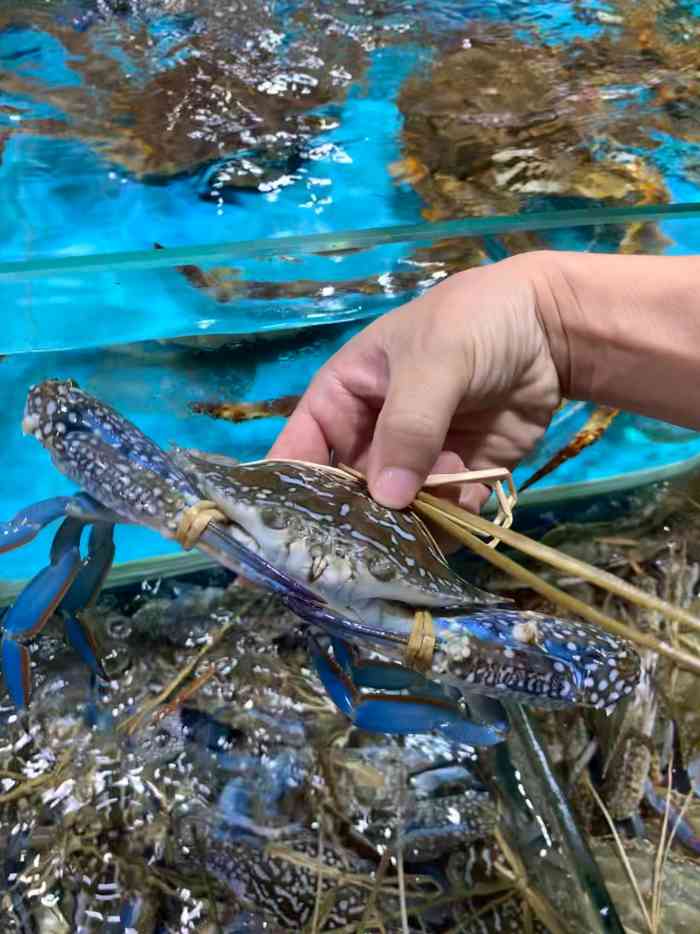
(362, 576)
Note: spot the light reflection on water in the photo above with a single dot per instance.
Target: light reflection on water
(112, 141)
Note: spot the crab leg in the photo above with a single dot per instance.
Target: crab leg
(428, 708)
(529, 657)
(84, 591)
(27, 524)
(386, 676)
(679, 825)
(35, 606)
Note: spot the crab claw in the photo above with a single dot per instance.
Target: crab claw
(35, 606)
(428, 708)
(84, 591)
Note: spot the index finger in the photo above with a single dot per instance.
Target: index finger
(302, 438)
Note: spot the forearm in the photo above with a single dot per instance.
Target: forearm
(624, 330)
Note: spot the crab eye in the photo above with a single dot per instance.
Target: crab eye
(381, 567)
(274, 518)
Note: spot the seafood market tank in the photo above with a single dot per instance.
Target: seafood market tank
(199, 204)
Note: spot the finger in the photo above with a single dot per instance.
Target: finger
(330, 417)
(302, 438)
(471, 496)
(448, 462)
(338, 411)
(410, 432)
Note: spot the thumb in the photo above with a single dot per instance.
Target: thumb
(410, 433)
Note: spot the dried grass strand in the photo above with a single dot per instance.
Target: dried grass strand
(627, 866)
(131, 724)
(557, 596)
(566, 563)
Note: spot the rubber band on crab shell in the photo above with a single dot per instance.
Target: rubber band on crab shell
(194, 521)
(421, 643)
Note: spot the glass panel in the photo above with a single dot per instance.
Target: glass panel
(293, 282)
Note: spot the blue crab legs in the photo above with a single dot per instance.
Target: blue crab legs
(68, 585)
(382, 697)
(71, 583)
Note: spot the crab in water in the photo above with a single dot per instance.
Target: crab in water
(232, 96)
(358, 573)
(504, 122)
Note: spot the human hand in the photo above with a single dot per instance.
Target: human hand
(463, 375)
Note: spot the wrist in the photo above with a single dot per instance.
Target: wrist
(624, 330)
(551, 294)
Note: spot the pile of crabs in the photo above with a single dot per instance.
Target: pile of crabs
(223, 807)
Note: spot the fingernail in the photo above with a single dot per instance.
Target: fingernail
(396, 487)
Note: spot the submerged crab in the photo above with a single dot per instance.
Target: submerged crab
(241, 84)
(354, 570)
(501, 122)
(650, 57)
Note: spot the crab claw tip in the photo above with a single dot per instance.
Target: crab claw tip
(30, 423)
